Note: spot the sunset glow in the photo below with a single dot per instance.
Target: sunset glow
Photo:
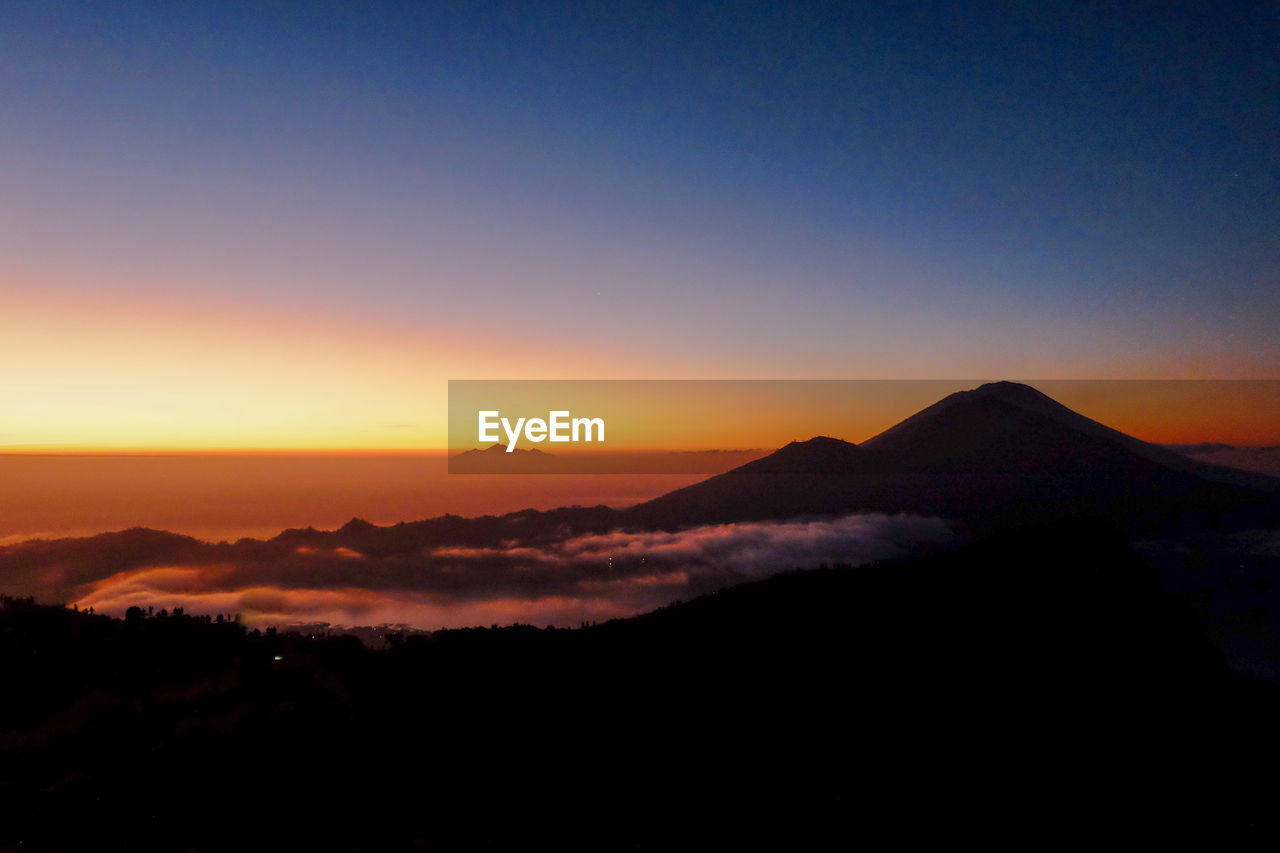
(633, 425)
(222, 251)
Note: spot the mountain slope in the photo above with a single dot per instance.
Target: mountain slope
(998, 455)
(1027, 399)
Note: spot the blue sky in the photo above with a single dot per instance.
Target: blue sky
(658, 189)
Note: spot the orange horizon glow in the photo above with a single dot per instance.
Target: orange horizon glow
(1180, 418)
(151, 373)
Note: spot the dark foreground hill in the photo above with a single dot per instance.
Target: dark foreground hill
(1031, 687)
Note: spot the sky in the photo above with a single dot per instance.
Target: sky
(289, 225)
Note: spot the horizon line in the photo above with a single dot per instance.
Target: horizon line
(108, 450)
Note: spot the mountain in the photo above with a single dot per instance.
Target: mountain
(820, 455)
(1258, 460)
(495, 459)
(1002, 454)
(53, 568)
(947, 412)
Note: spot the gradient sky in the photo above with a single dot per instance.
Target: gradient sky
(287, 225)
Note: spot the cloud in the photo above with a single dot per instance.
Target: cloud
(596, 576)
(708, 557)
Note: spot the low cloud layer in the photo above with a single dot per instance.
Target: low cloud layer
(582, 578)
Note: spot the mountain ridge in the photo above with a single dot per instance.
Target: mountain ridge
(1032, 400)
(999, 455)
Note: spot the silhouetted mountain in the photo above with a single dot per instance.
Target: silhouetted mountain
(998, 456)
(525, 527)
(72, 561)
(1035, 678)
(820, 455)
(356, 527)
(1001, 454)
(495, 459)
(1029, 400)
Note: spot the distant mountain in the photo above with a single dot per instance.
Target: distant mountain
(1259, 460)
(54, 569)
(495, 459)
(704, 462)
(28, 566)
(1000, 454)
